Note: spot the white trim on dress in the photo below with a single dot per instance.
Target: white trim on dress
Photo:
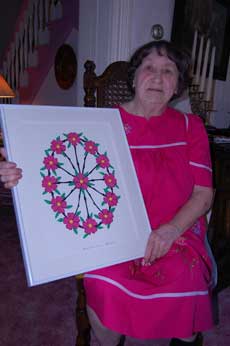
(149, 296)
(200, 165)
(157, 146)
(186, 121)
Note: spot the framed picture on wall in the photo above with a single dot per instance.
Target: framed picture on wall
(212, 19)
(78, 206)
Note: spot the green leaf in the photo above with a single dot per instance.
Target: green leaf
(58, 192)
(71, 183)
(44, 192)
(42, 174)
(43, 168)
(57, 214)
(69, 206)
(60, 220)
(46, 200)
(86, 235)
(75, 230)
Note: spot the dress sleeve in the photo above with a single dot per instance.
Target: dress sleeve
(199, 151)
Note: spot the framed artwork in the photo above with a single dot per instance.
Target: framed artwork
(78, 206)
(212, 19)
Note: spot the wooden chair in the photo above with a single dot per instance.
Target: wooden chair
(107, 90)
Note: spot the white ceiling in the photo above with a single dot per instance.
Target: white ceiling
(8, 15)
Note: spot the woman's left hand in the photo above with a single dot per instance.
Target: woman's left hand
(159, 242)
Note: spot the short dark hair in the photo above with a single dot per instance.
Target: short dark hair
(180, 57)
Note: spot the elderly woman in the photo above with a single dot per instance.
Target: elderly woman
(167, 293)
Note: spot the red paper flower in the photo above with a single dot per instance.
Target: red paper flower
(71, 221)
(73, 138)
(90, 225)
(49, 183)
(57, 146)
(103, 161)
(106, 216)
(111, 199)
(110, 180)
(58, 204)
(91, 147)
(81, 181)
(50, 162)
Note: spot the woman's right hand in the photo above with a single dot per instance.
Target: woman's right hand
(9, 172)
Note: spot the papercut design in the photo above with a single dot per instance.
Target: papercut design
(80, 182)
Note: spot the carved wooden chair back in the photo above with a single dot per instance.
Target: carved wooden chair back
(106, 90)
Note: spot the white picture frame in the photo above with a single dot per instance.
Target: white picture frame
(65, 186)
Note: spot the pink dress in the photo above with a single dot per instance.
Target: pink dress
(170, 298)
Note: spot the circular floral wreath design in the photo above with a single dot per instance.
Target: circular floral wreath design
(74, 164)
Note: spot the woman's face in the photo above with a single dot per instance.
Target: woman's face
(156, 79)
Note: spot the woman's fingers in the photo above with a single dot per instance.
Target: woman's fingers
(3, 152)
(11, 184)
(159, 243)
(152, 249)
(9, 174)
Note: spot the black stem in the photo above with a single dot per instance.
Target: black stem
(86, 205)
(94, 203)
(78, 165)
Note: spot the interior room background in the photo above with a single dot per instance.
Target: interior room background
(100, 30)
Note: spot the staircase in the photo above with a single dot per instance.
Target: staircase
(42, 27)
